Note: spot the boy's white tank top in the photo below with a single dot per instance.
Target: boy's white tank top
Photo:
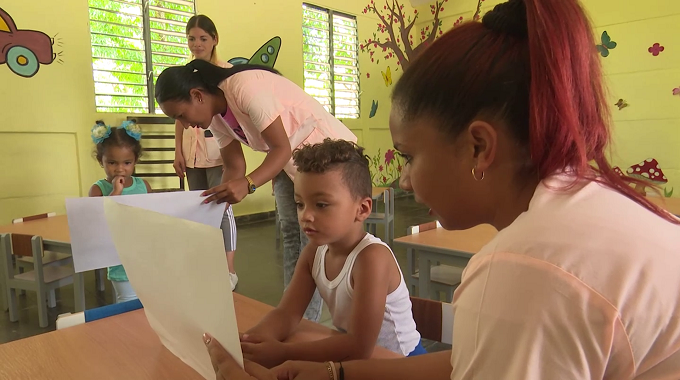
(398, 332)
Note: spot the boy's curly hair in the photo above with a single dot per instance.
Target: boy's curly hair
(337, 155)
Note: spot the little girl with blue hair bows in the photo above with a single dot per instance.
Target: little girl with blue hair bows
(117, 150)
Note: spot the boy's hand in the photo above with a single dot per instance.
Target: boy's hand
(118, 183)
(267, 352)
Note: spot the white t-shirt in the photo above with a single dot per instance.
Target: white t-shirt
(583, 285)
(398, 330)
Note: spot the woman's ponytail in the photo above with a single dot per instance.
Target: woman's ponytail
(175, 83)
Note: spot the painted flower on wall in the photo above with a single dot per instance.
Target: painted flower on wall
(389, 156)
(656, 49)
(385, 168)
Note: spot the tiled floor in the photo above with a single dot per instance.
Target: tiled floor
(258, 263)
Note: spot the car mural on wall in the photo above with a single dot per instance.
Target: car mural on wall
(23, 50)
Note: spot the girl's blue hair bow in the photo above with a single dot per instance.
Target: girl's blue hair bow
(132, 129)
(100, 132)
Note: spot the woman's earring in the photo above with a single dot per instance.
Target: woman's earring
(475, 175)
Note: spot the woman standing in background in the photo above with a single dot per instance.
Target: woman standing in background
(196, 151)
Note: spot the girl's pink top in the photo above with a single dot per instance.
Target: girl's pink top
(583, 285)
(255, 98)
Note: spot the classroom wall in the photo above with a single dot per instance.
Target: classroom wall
(44, 127)
(649, 127)
(45, 146)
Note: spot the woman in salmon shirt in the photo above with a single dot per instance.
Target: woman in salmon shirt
(506, 122)
(257, 107)
(196, 151)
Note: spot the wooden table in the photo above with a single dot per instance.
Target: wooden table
(124, 347)
(439, 245)
(670, 204)
(377, 192)
(56, 237)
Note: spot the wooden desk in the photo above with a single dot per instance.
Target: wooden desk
(670, 204)
(56, 236)
(54, 229)
(124, 347)
(377, 192)
(439, 245)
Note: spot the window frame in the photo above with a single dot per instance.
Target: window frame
(148, 53)
(331, 56)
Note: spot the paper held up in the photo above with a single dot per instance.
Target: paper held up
(91, 241)
(179, 271)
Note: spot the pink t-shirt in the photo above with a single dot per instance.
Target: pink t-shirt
(583, 285)
(256, 98)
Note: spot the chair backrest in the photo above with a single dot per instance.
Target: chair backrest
(162, 129)
(388, 195)
(22, 245)
(434, 319)
(423, 227)
(34, 217)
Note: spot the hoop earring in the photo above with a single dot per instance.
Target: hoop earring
(475, 175)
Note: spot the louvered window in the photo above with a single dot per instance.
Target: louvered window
(331, 63)
(132, 42)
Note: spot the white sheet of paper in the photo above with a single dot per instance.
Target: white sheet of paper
(180, 274)
(91, 241)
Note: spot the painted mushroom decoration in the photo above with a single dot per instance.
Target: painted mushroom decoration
(647, 170)
(618, 171)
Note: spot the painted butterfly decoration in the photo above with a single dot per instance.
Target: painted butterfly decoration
(387, 76)
(606, 45)
(621, 104)
(374, 109)
(264, 56)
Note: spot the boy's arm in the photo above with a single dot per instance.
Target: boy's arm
(371, 273)
(280, 322)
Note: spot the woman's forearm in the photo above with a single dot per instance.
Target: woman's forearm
(272, 165)
(336, 348)
(232, 171)
(435, 366)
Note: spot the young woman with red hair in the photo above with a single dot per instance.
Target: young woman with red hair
(505, 122)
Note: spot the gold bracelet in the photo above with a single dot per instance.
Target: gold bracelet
(335, 373)
(331, 370)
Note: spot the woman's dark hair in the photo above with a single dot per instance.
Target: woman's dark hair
(204, 22)
(118, 138)
(532, 64)
(174, 83)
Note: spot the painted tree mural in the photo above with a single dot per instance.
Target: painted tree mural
(400, 41)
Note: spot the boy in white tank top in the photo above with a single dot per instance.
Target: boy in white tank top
(356, 273)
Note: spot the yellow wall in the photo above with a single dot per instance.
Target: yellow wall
(44, 141)
(650, 126)
(45, 147)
